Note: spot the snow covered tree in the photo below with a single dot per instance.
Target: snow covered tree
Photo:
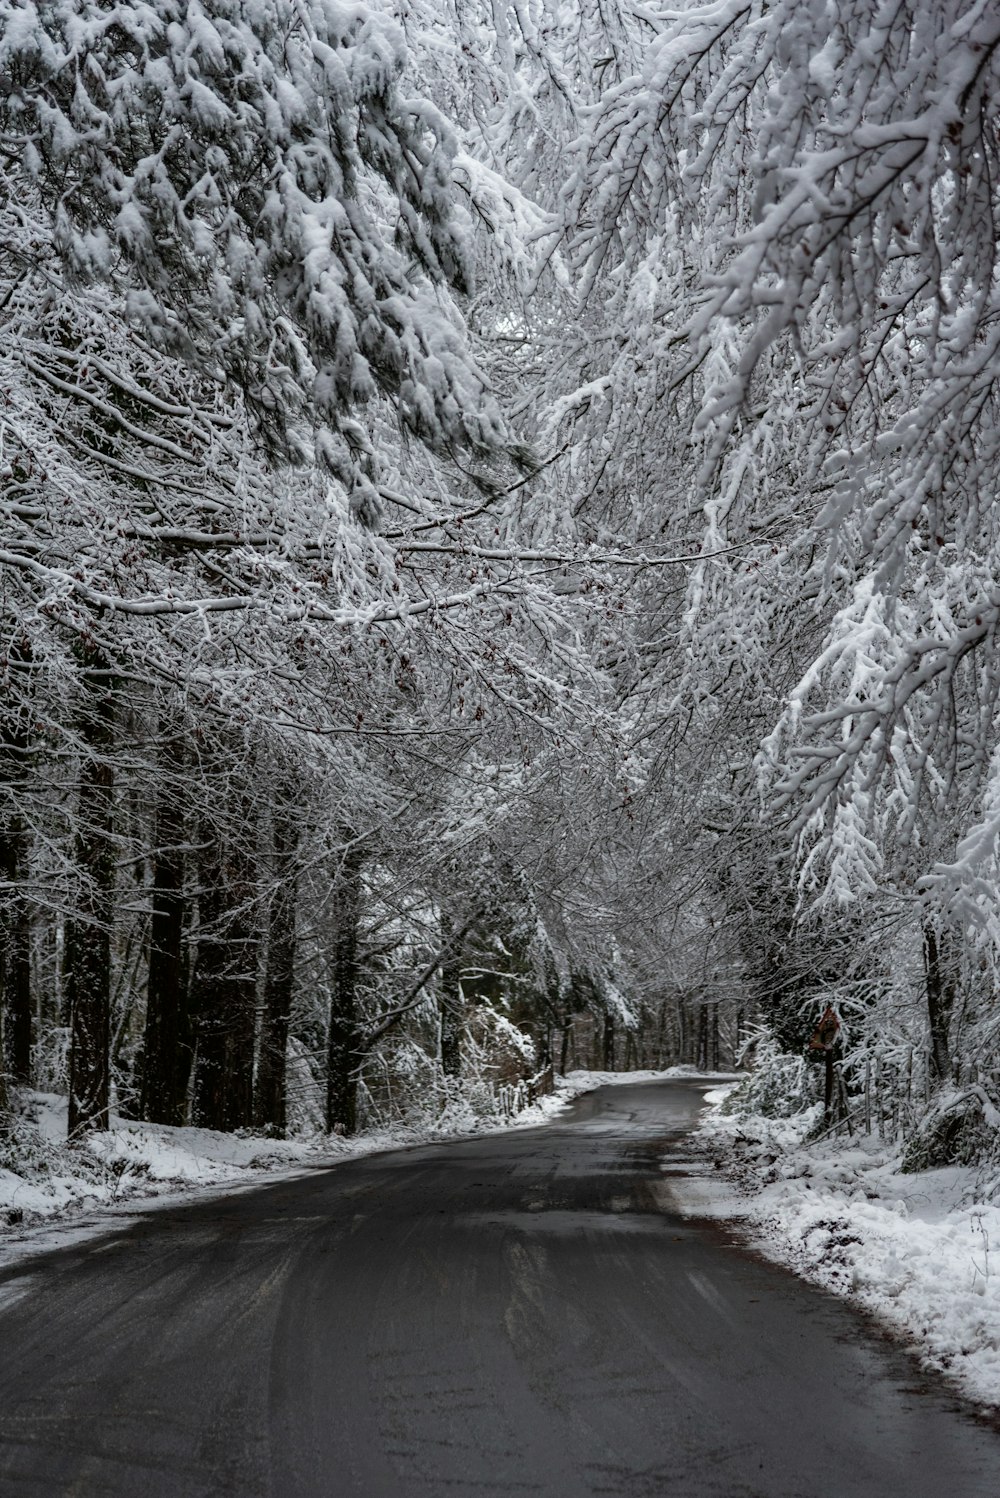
(274, 204)
(224, 232)
(823, 182)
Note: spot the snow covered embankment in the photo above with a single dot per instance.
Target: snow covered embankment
(920, 1251)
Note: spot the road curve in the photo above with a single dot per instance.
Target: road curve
(516, 1315)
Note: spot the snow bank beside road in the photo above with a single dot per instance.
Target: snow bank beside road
(589, 1081)
(919, 1251)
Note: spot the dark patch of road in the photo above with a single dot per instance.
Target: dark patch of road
(516, 1315)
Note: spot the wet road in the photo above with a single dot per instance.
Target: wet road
(517, 1315)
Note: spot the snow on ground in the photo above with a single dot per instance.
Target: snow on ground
(588, 1081)
(42, 1176)
(921, 1251)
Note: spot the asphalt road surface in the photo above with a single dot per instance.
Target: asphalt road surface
(517, 1315)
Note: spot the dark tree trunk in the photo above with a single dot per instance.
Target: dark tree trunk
(702, 1062)
(225, 984)
(89, 945)
(167, 1046)
(661, 1021)
(241, 996)
(344, 1038)
(940, 981)
(450, 1003)
(629, 1060)
(545, 1049)
(207, 985)
(15, 957)
(608, 1044)
(270, 1104)
(15, 923)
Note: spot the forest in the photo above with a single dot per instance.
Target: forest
(499, 565)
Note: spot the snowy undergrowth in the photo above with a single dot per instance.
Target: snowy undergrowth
(41, 1175)
(921, 1251)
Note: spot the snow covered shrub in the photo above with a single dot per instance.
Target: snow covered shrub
(33, 1164)
(779, 1086)
(494, 1047)
(405, 1084)
(303, 1092)
(961, 1127)
(499, 1061)
(400, 1085)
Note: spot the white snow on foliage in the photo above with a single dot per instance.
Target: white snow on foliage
(921, 1251)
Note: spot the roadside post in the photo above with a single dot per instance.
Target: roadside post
(825, 1039)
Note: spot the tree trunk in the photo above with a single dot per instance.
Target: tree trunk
(89, 970)
(167, 1046)
(270, 1103)
(450, 1002)
(15, 924)
(207, 984)
(241, 992)
(702, 1062)
(344, 1039)
(940, 981)
(629, 1060)
(608, 1044)
(225, 983)
(661, 1025)
(15, 957)
(828, 1086)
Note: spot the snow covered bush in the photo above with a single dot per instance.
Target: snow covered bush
(277, 197)
(779, 1086)
(961, 1127)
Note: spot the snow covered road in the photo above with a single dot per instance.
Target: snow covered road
(524, 1313)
